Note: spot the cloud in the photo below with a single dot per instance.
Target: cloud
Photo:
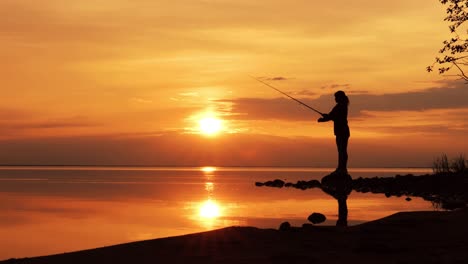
(356, 92)
(139, 100)
(8, 114)
(426, 130)
(305, 93)
(450, 95)
(430, 123)
(170, 149)
(336, 86)
(31, 125)
(167, 149)
(71, 122)
(279, 78)
(189, 94)
(51, 124)
(267, 109)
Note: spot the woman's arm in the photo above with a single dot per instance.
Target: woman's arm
(330, 116)
(324, 118)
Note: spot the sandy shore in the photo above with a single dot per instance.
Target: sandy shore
(410, 237)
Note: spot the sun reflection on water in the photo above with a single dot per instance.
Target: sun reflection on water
(209, 212)
(209, 209)
(209, 187)
(208, 169)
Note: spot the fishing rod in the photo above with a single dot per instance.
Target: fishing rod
(311, 108)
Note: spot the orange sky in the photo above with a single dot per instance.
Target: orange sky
(137, 76)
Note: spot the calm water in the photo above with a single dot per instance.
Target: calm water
(47, 210)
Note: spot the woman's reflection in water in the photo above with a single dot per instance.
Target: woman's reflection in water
(339, 185)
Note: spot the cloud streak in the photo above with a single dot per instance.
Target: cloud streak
(9, 114)
(69, 122)
(453, 96)
(336, 86)
(278, 78)
(227, 150)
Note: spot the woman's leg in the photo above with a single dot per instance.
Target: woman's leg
(342, 146)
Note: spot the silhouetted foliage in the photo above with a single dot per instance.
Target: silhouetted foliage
(459, 164)
(455, 49)
(441, 165)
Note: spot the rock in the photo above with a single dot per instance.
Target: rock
(408, 199)
(301, 185)
(316, 218)
(304, 185)
(313, 184)
(337, 185)
(259, 184)
(278, 183)
(452, 205)
(342, 181)
(285, 226)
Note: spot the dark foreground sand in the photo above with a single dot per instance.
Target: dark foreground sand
(410, 237)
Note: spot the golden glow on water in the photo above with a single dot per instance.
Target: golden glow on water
(108, 207)
(209, 210)
(209, 187)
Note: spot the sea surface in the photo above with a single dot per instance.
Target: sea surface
(49, 210)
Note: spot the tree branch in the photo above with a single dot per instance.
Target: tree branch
(462, 74)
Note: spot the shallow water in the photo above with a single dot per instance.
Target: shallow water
(47, 210)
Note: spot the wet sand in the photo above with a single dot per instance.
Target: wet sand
(409, 237)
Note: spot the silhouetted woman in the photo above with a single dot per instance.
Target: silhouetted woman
(339, 116)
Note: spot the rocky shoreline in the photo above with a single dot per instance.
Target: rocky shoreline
(445, 191)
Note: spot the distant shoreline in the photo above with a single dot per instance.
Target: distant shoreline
(214, 166)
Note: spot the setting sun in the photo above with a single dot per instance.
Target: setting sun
(210, 125)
